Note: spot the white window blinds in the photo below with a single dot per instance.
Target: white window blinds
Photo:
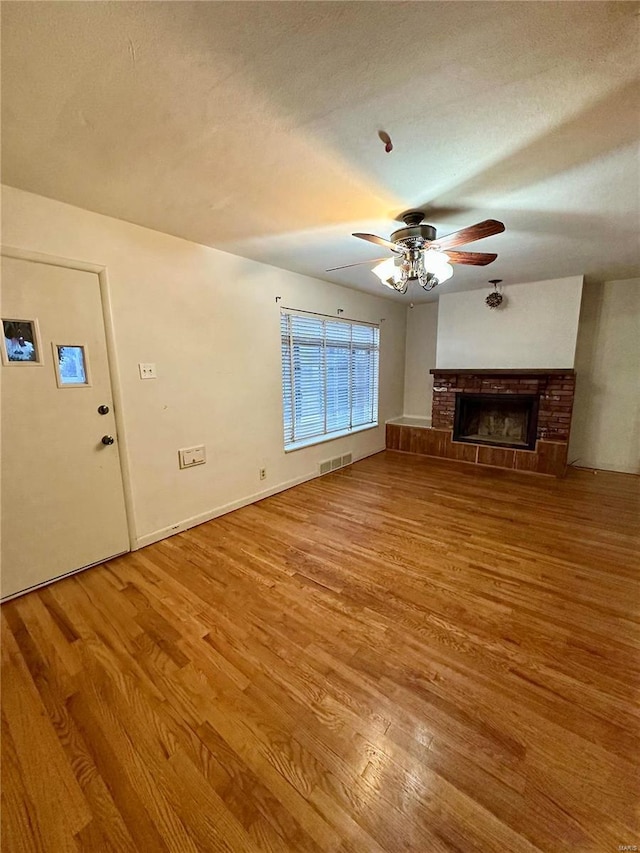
(329, 376)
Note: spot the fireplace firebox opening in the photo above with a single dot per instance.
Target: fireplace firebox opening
(501, 420)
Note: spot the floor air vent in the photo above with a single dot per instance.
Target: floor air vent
(333, 464)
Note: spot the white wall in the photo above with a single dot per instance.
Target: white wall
(422, 330)
(537, 326)
(606, 415)
(210, 322)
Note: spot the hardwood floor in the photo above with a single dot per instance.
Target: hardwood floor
(406, 655)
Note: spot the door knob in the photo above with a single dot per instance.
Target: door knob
(108, 439)
(103, 410)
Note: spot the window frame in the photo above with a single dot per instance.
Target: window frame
(327, 335)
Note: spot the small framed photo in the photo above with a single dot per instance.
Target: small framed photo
(72, 365)
(21, 342)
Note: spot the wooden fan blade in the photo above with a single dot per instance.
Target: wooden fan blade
(359, 263)
(468, 235)
(476, 259)
(378, 240)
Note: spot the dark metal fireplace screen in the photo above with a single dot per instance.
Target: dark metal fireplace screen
(502, 420)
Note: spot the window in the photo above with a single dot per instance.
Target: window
(329, 377)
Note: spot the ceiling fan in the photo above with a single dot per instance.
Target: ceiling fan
(419, 256)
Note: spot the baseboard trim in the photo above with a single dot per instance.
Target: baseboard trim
(603, 468)
(181, 526)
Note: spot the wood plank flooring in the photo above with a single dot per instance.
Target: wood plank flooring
(406, 655)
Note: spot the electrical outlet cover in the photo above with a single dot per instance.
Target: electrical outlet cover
(147, 370)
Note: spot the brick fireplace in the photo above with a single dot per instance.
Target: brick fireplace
(517, 419)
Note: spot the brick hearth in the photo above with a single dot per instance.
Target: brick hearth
(554, 389)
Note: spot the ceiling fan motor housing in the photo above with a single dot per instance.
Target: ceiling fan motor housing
(414, 235)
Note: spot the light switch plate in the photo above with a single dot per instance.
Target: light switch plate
(147, 370)
(191, 456)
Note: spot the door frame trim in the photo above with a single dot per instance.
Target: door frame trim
(114, 373)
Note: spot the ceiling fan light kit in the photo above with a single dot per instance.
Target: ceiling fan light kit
(429, 268)
(419, 256)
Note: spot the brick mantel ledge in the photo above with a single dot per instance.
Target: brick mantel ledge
(502, 371)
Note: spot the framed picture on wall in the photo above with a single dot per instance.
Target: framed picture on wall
(21, 342)
(71, 364)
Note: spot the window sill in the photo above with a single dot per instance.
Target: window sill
(321, 439)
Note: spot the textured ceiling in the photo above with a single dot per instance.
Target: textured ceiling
(253, 127)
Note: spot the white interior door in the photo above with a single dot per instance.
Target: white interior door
(62, 495)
